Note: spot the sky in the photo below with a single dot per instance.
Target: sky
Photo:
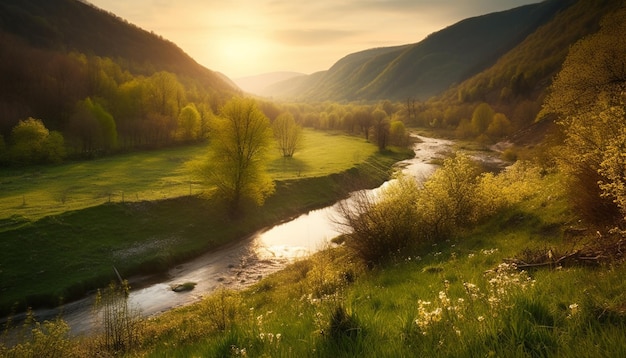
(250, 37)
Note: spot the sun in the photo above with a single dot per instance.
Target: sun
(241, 54)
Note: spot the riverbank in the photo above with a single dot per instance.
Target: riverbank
(62, 257)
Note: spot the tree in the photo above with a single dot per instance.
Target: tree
(92, 127)
(587, 97)
(499, 127)
(398, 134)
(189, 124)
(380, 122)
(33, 143)
(449, 198)
(364, 119)
(288, 134)
(241, 138)
(482, 116)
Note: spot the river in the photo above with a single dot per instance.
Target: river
(244, 262)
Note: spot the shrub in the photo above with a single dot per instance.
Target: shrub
(221, 309)
(121, 324)
(449, 198)
(47, 339)
(380, 226)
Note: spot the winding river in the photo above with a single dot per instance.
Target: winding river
(244, 262)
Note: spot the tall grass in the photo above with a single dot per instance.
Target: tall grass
(455, 299)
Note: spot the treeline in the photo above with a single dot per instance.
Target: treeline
(94, 104)
(383, 123)
(55, 105)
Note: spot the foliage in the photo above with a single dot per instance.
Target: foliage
(587, 95)
(381, 125)
(47, 339)
(222, 309)
(33, 143)
(189, 123)
(449, 198)
(241, 139)
(92, 128)
(404, 217)
(482, 117)
(379, 226)
(398, 134)
(288, 134)
(120, 323)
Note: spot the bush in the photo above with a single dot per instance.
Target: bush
(121, 324)
(402, 215)
(50, 339)
(380, 226)
(449, 198)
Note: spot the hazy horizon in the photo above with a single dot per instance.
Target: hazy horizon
(245, 38)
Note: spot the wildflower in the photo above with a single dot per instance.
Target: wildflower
(573, 309)
(480, 318)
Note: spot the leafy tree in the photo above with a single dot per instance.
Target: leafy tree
(164, 93)
(92, 127)
(380, 122)
(33, 143)
(398, 134)
(449, 197)
(499, 127)
(363, 118)
(288, 134)
(54, 147)
(206, 116)
(588, 98)
(481, 118)
(241, 137)
(189, 124)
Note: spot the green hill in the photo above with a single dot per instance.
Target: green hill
(428, 67)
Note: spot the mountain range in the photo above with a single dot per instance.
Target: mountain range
(522, 48)
(426, 68)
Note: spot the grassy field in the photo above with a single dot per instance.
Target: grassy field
(453, 300)
(28, 194)
(73, 247)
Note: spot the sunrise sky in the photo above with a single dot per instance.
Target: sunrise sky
(249, 37)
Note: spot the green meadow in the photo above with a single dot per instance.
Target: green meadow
(53, 251)
(31, 193)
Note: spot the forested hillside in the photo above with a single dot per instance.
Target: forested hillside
(98, 81)
(428, 67)
(517, 83)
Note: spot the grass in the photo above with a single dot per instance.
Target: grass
(453, 300)
(63, 255)
(28, 194)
